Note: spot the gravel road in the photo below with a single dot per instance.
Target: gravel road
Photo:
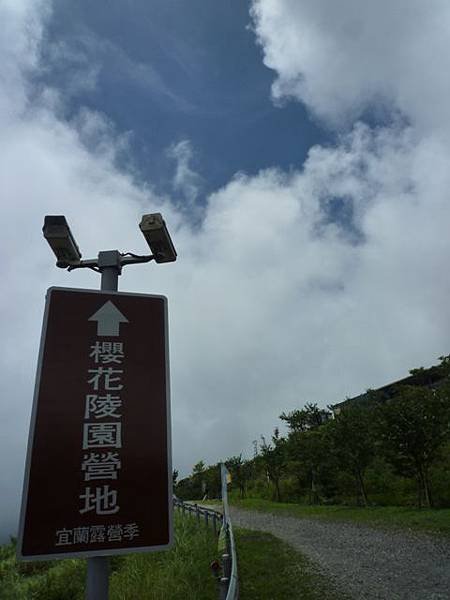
(365, 563)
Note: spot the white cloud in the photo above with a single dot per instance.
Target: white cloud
(185, 181)
(46, 168)
(340, 58)
(271, 303)
(21, 33)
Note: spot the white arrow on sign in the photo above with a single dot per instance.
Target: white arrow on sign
(108, 319)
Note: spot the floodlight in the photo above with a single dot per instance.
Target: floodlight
(155, 232)
(61, 241)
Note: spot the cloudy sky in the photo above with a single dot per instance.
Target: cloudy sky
(299, 152)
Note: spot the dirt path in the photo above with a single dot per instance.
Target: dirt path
(366, 563)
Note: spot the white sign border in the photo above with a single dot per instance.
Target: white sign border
(24, 503)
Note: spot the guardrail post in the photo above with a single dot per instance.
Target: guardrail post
(214, 520)
(206, 518)
(223, 588)
(226, 561)
(197, 512)
(224, 582)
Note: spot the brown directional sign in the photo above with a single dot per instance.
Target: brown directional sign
(98, 476)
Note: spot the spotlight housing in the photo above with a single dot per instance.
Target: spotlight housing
(157, 236)
(58, 235)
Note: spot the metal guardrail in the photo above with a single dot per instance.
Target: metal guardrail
(229, 581)
(229, 589)
(200, 512)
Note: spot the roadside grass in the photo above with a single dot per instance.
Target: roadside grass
(270, 569)
(182, 573)
(56, 580)
(434, 521)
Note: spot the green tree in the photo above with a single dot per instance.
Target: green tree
(308, 453)
(198, 479)
(211, 477)
(413, 428)
(273, 458)
(241, 471)
(309, 417)
(185, 489)
(305, 445)
(351, 439)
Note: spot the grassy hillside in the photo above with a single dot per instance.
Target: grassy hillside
(434, 521)
(269, 569)
(178, 574)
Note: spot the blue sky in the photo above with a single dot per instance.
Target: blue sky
(299, 152)
(170, 71)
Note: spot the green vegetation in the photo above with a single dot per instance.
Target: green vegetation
(396, 517)
(179, 574)
(56, 580)
(183, 573)
(270, 569)
(389, 448)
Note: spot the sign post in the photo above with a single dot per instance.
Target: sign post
(98, 478)
(97, 578)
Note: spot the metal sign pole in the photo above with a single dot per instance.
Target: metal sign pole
(97, 578)
(223, 476)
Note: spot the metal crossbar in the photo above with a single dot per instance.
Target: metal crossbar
(209, 515)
